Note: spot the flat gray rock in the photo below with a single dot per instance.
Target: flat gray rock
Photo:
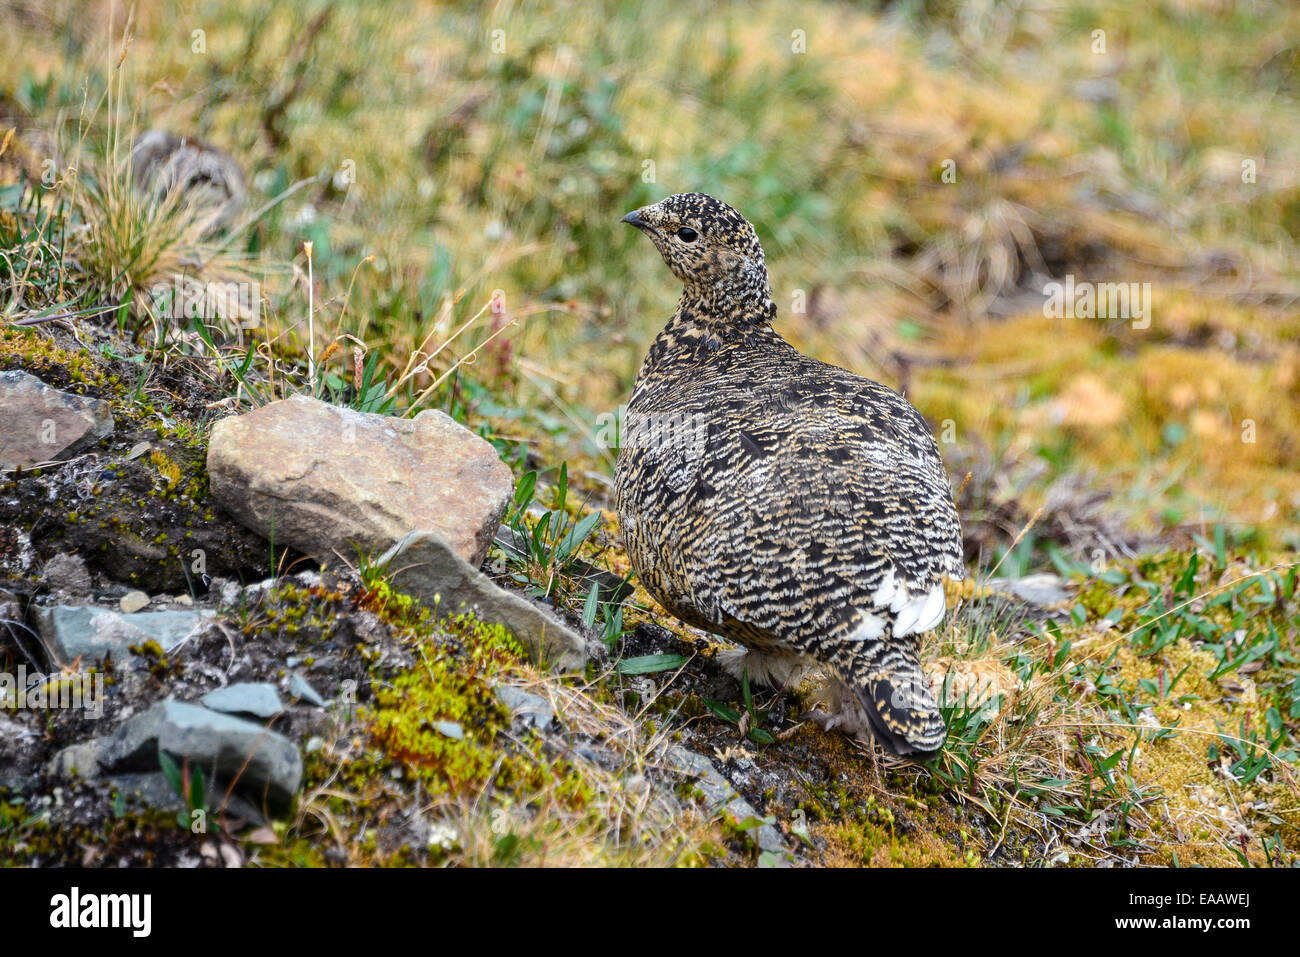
(93, 633)
(260, 761)
(66, 572)
(132, 602)
(533, 709)
(301, 689)
(329, 480)
(76, 760)
(720, 796)
(422, 564)
(152, 789)
(256, 698)
(39, 424)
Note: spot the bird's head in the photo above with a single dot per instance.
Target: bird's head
(712, 249)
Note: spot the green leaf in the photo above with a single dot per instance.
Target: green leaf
(576, 536)
(721, 710)
(613, 626)
(591, 606)
(649, 664)
(1111, 761)
(198, 798)
(201, 328)
(524, 490)
(562, 487)
(539, 538)
(506, 849)
(1187, 580)
(124, 310)
(171, 771)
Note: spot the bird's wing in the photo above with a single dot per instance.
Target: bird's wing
(831, 504)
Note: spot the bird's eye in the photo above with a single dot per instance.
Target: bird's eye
(687, 235)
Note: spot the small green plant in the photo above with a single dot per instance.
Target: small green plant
(1250, 752)
(610, 615)
(188, 784)
(750, 721)
(543, 553)
(366, 391)
(651, 664)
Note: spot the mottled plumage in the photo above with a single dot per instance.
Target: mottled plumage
(786, 504)
(207, 179)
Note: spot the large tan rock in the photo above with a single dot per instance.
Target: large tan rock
(40, 424)
(328, 480)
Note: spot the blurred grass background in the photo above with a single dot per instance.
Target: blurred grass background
(444, 153)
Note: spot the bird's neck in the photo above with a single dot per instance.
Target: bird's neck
(702, 330)
(721, 307)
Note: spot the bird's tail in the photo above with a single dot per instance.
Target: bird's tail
(899, 706)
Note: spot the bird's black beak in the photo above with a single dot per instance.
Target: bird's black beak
(632, 219)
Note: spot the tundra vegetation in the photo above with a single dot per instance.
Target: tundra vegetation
(1067, 231)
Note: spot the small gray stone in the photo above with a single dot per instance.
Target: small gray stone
(67, 572)
(15, 737)
(226, 592)
(300, 688)
(256, 698)
(79, 760)
(424, 565)
(133, 601)
(720, 796)
(263, 762)
(717, 790)
(40, 424)
(450, 729)
(533, 709)
(152, 789)
(91, 634)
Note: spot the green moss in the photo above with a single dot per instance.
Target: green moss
(159, 665)
(435, 729)
(134, 523)
(145, 836)
(870, 837)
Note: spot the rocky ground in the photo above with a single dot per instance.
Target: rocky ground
(231, 691)
(254, 609)
(244, 700)
(264, 682)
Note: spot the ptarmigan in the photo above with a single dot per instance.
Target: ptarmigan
(783, 503)
(208, 179)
